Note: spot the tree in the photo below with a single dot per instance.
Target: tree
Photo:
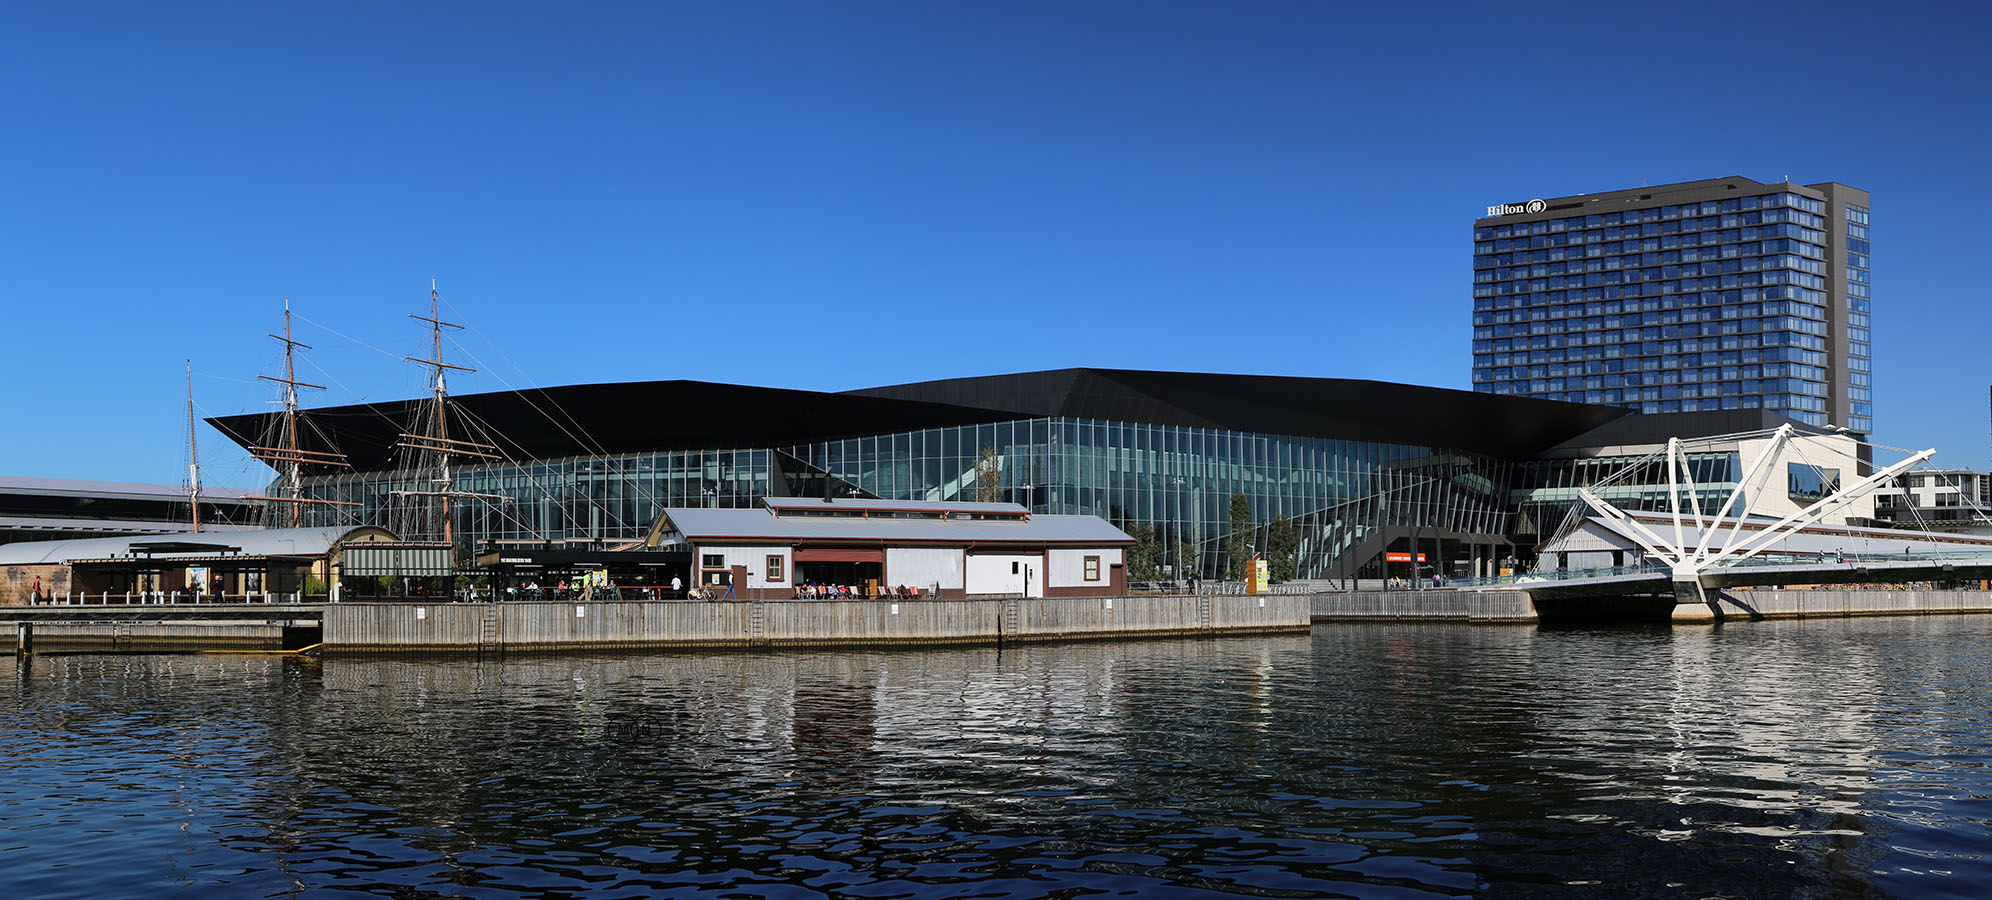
(988, 476)
(1281, 546)
(1238, 546)
(1144, 559)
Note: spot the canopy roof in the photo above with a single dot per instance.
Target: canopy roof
(187, 544)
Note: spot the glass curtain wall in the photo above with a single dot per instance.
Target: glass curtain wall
(1180, 480)
(1546, 490)
(613, 498)
(1176, 479)
(1700, 306)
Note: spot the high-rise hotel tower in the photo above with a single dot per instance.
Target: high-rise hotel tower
(1718, 294)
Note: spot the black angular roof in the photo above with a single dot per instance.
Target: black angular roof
(1340, 408)
(628, 417)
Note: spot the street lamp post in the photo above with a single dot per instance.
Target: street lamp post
(1175, 548)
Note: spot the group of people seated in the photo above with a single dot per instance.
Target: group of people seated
(814, 591)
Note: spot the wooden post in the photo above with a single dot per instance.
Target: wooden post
(24, 638)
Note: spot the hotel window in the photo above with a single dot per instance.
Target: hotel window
(1092, 568)
(775, 572)
(1809, 483)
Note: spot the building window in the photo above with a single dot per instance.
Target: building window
(1812, 483)
(714, 560)
(775, 568)
(1092, 568)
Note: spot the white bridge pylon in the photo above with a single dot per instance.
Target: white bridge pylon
(1689, 562)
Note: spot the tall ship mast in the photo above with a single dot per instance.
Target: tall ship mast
(429, 445)
(193, 456)
(281, 448)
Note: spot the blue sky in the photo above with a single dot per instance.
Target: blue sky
(832, 195)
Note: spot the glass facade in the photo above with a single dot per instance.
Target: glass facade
(1177, 479)
(1860, 309)
(1679, 308)
(1546, 489)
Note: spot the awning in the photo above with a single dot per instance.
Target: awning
(839, 555)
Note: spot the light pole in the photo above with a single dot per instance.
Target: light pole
(1175, 548)
(711, 497)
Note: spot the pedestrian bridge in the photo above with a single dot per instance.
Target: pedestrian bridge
(1657, 577)
(1757, 535)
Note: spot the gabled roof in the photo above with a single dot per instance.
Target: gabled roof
(864, 505)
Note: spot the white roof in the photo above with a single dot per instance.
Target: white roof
(149, 526)
(259, 542)
(17, 484)
(854, 503)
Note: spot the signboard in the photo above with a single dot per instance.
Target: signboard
(1516, 209)
(1258, 578)
(1401, 557)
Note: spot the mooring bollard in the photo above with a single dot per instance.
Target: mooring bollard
(24, 638)
(176, 598)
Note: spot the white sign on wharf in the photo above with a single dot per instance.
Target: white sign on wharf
(580, 612)
(895, 609)
(421, 612)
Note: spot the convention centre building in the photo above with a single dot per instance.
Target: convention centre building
(1377, 479)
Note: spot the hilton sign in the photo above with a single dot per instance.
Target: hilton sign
(1516, 209)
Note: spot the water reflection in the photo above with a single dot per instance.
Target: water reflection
(1773, 759)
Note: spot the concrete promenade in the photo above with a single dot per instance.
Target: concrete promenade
(397, 627)
(489, 627)
(161, 627)
(1736, 605)
(474, 627)
(1491, 607)
(1517, 607)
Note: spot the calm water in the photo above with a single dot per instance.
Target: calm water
(1810, 759)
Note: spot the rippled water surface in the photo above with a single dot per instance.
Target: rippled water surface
(1806, 759)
